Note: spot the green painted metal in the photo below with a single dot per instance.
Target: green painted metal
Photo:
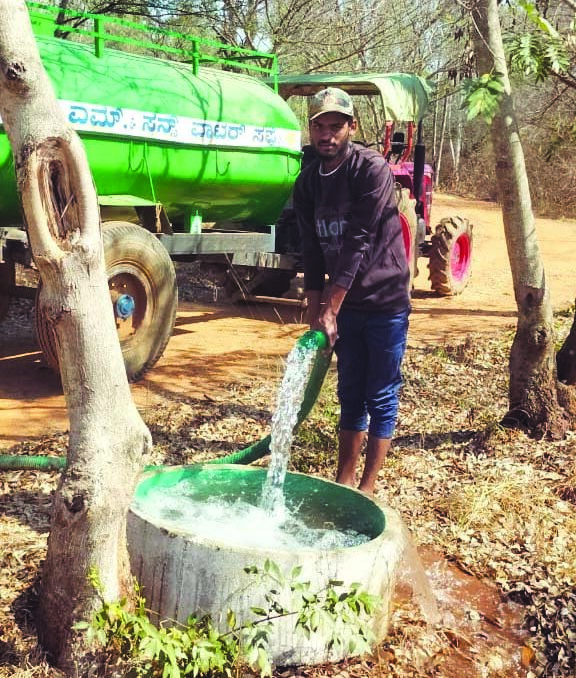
(202, 140)
(49, 20)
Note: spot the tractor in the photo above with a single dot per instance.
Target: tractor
(194, 151)
(401, 100)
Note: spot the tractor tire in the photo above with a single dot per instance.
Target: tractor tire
(7, 280)
(450, 263)
(409, 223)
(139, 272)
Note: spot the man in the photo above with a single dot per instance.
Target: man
(350, 230)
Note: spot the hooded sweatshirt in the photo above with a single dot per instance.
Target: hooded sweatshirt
(350, 230)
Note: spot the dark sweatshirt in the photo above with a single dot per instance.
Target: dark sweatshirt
(350, 230)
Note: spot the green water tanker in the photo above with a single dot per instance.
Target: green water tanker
(191, 158)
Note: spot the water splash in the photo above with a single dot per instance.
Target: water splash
(288, 403)
(415, 576)
(232, 521)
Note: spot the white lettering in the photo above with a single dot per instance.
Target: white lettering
(177, 129)
(321, 229)
(335, 229)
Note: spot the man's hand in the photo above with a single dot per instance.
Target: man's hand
(327, 323)
(329, 312)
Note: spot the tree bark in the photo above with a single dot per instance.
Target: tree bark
(456, 144)
(566, 358)
(107, 436)
(441, 144)
(533, 394)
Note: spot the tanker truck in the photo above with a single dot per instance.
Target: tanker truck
(194, 151)
(188, 161)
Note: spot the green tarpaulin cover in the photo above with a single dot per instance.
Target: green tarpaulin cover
(404, 96)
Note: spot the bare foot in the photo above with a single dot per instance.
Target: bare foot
(348, 481)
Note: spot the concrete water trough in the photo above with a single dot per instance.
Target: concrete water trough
(185, 571)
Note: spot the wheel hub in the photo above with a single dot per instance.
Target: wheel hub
(460, 258)
(125, 306)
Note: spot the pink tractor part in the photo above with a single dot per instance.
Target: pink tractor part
(449, 248)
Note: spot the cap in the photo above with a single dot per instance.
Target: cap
(330, 100)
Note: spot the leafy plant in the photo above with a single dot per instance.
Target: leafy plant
(482, 96)
(328, 610)
(199, 649)
(539, 53)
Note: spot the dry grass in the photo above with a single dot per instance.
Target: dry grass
(494, 502)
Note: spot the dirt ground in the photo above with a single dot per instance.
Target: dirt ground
(215, 347)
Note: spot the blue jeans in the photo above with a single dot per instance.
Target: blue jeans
(370, 348)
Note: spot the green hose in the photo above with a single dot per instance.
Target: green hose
(313, 340)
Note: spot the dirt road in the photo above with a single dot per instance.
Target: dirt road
(215, 349)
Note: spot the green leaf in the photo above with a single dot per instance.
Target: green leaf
(482, 96)
(264, 662)
(536, 18)
(296, 572)
(259, 611)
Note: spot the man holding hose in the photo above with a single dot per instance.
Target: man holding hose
(350, 231)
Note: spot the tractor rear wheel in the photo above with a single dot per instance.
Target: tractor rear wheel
(7, 280)
(450, 262)
(142, 284)
(409, 223)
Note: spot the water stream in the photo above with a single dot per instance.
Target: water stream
(262, 518)
(414, 574)
(181, 508)
(288, 403)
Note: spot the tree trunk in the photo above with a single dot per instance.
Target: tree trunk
(107, 436)
(456, 145)
(566, 358)
(435, 123)
(441, 144)
(534, 404)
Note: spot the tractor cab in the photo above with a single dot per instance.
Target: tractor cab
(398, 102)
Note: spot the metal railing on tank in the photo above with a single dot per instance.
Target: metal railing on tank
(123, 34)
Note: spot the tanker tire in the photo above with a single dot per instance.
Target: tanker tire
(7, 280)
(137, 264)
(450, 263)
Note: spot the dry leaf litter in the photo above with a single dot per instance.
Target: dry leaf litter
(493, 502)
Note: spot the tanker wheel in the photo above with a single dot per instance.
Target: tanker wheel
(7, 280)
(450, 262)
(144, 295)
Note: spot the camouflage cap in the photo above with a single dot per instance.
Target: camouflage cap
(330, 100)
